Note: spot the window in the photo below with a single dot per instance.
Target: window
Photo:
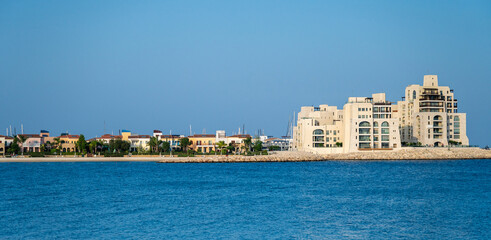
(456, 118)
(385, 138)
(364, 124)
(385, 124)
(414, 94)
(364, 130)
(318, 132)
(375, 124)
(437, 118)
(318, 138)
(365, 139)
(385, 145)
(385, 131)
(364, 145)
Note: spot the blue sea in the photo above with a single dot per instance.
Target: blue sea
(298, 200)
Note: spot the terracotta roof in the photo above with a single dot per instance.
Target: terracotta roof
(109, 136)
(157, 131)
(69, 136)
(169, 136)
(241, 136)
(271, 139)
(202, 136)
(30, 135)
(140, 136)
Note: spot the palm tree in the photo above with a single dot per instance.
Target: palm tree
(185, 143)
(248, 143)
(221, 145)
(57, 143)
(22, 140)
(154, 144)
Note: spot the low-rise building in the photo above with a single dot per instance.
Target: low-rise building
(138, 142)
(68, 142)
(204, 143)
(32, 143)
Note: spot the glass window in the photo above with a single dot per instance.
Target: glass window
(385, 124)
(456, 118)
(318, 132)
(364, 130)
(364, 124)
(385, 131)
(364, 138)
(318, 138)
(385, 138)
(364, 145)
(375, 124)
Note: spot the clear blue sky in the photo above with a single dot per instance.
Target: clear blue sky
(144, 65)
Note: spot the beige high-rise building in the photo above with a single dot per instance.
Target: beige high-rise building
(429, 115)
(363, 124)
(370, 125)
(319, 129)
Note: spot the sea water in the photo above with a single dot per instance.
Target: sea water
(297, 200)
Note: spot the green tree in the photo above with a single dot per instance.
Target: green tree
(185, 143)
(153, 144)
(22, 140)
(93, 146)
(57, 144)
(14, 147)
(221, 145)
(166, 146)
(248, 143)
(258, 146)
(81, 143)
(339, 144)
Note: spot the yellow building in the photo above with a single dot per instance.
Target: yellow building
(68, 142)
(204, 143)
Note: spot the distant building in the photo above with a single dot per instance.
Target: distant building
(68, 142)
(429, 115)
(278, 144)
(204, 143)
(139, 142)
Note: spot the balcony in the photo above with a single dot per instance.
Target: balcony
(431, 104)
(432, 98)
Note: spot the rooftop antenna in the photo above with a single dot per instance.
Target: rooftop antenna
(190, 130)
(11, 130)
(22, 128)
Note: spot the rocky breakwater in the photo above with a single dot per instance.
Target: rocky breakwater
(295, 156)
(415, 154)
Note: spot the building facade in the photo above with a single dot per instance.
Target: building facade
(370, 125)
(428, 115)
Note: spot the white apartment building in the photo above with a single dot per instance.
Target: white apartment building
(319, 129)
(370, 125)
(429, 115)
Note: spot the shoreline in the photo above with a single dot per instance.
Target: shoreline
(295, 156)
